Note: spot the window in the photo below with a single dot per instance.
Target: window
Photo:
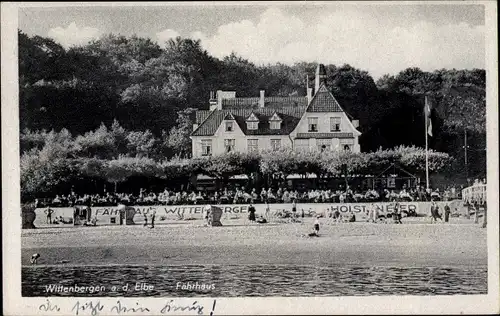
(302, 144)
(206, 147)
(313, 124)
(253, 145)
(275, 124)
(275, 144)
(334, 124)
(252, 125)
(229, 126)
(324, 144)
(347, 143)
(275, 121)
(229, 145)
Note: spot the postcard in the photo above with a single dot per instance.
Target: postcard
(254, 158)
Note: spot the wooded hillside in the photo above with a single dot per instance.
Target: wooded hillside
(151, 92)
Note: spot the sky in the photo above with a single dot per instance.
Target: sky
(373, 37)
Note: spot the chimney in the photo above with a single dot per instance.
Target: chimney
(355, 123)
(261, 100)
(213, 101)
(320, 77)
(309, 95)
(219, 99)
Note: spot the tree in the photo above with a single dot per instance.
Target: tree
(120, 138)
(463, 107)
(178, 139)
(278, 164)
(224, 166)
(99, 144)
(91, 168)
(345, 163)
(249, 163)
(116, 171)
(39, 58)
(414, 159)
(140, 144)
(49, 169)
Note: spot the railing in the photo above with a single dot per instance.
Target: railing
(475, 194)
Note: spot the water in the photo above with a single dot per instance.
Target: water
(256, 280)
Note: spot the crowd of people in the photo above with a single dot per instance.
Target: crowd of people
(240, 196)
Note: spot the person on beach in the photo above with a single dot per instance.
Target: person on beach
(435, 212)
(337, 216)
(153, 214)
(251, 213)
(49, 213)
(34, 258)
(397, 214)
(375, 213)
(370, 213)
(329, 216)
(447, 212)
(261, 220)
(145, 218)
(268, 211)
(302, 215)
(316, 225)
(314, 233)
(294, 209)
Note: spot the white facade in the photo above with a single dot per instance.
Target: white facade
(322, 125)
(325, 126)
(242, 142)
(245, 143)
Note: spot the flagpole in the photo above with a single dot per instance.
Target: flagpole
(426, 147)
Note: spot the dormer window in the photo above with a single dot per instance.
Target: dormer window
(229, 127)
(252, 122)
(275, 122)
(252, 125)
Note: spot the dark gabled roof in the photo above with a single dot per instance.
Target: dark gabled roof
(274, 102)
(201, 115)
(240, 102)
(323, 101)
(290, 118)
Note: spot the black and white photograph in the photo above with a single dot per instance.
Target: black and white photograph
(169, 158)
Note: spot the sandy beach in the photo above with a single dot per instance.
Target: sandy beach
(414, 243)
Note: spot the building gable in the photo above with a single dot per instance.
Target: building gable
(275, 117)
(324, 101)
(252, 118)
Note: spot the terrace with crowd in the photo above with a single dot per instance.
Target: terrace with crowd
(240, 196)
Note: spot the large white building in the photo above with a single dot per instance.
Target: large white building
(312, 122)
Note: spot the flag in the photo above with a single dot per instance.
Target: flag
(427, 113)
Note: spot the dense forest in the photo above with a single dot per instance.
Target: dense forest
(133, 86)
